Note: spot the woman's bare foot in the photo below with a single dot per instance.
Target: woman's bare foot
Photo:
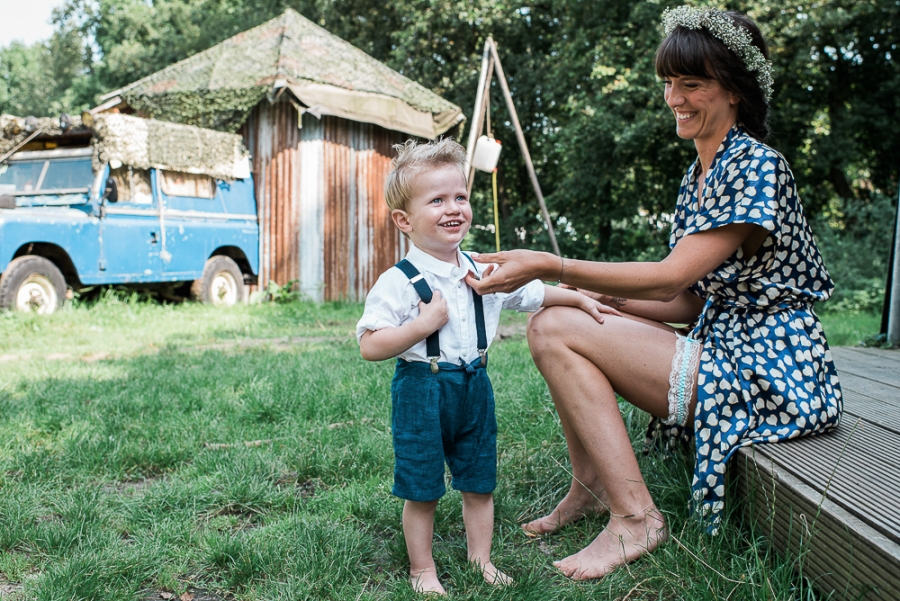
(494, 576)
(625, 539)
(578, 503)
(426, 581)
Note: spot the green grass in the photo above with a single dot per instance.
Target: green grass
(850, 328)
(124, 471)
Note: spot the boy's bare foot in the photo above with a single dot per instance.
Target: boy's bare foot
(494, 576)
(426, 581)
(578, 503)
(625, 539)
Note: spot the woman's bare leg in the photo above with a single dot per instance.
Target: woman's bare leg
(583, 364)
(586, 495)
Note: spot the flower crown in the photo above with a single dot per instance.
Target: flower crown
(723, 28)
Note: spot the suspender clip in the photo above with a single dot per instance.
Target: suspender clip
(434, 365)
(482, 352)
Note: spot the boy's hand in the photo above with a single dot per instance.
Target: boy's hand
(596, 309)
(434, 314)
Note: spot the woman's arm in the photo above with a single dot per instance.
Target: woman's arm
(684, 308)
(693, 257)
(378, 345)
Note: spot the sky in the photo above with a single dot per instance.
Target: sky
(27, 21)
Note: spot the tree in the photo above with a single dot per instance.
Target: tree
(582, 77)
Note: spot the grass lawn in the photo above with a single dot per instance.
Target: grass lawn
(148, 450)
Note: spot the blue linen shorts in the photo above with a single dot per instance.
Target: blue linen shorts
(443, 417)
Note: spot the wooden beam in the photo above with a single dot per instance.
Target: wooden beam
(520, 136)
(893, 330)
(484, 83)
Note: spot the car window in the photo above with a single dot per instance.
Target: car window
(21, 176)
(65, 174)
(188, 184)
(133, 185)
(46, 175)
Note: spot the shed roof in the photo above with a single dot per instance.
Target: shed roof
(219, 86)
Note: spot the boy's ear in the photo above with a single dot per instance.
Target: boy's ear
(401, 220)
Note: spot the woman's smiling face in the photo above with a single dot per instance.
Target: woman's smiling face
(704, 111)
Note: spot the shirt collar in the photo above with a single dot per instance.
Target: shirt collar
(426, 262)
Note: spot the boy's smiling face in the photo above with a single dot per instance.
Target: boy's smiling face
(438, 215)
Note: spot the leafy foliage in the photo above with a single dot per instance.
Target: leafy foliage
(582, 77)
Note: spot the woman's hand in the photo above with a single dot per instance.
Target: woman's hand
(512, 269)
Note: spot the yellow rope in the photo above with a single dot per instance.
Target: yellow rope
(496, 212)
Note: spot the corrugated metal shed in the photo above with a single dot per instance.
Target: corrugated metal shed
(320, 195)
(320, 118)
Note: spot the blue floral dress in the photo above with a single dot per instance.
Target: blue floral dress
(765, 371)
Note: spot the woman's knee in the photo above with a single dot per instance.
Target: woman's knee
(544, 327)
(548, 326)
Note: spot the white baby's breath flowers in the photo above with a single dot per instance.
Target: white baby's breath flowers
(723, 28)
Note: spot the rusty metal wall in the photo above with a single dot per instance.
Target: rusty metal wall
(320, 196)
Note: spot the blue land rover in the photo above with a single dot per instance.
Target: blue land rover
(124, 201)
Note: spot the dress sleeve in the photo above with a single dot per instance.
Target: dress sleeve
(391, 302)
(751, 187)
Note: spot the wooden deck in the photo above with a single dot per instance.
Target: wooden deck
(834, 499)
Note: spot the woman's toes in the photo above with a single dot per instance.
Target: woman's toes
(566, 566)
(541, 526)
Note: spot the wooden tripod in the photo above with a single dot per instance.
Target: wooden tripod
(489, 61)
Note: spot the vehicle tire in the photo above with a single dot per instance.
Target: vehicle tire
(32, 283)
(221, 284)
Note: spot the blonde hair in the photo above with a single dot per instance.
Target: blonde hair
(411, 158)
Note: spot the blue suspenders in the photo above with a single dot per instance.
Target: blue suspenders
(432, 343)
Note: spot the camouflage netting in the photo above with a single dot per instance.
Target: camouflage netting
(218, 87)
(15, 130)
(224, 110)
(145, 143)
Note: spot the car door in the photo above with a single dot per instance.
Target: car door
(130, 229)
(194, 218)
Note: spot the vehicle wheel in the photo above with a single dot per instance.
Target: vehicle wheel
(221, 283)
(32, 283)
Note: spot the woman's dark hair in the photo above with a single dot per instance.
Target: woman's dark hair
(697, 52)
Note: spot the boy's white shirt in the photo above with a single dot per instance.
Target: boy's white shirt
(393, 301)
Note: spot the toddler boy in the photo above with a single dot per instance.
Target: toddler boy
(442, 403)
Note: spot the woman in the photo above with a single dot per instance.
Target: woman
(743, 271)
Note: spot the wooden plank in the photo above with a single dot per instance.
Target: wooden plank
(880, 368)
(862, 471)
(839, 551)
(888, 395)
(875, 411)
(818, 543)
(886, 354)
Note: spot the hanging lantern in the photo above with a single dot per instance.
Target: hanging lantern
(487, 153)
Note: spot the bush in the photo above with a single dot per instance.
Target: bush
(855, 241)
